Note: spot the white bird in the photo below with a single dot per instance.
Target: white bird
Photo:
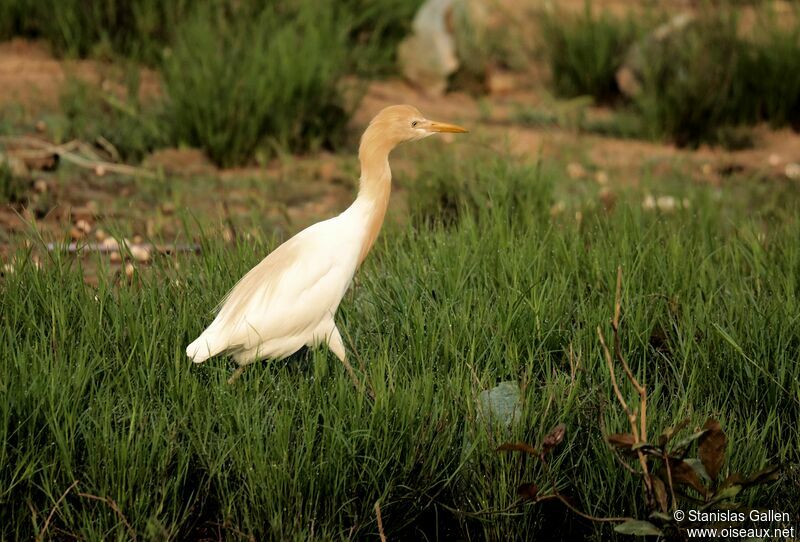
(289, 300)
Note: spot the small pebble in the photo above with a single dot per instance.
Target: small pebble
(100, 235)
(83, 226)
(110, 244)
(557, 208)
(575, 170)
(115, 257)
(129, 269)
(666, 203)
(40, 186)
(792, 171)
(140, 254)
(774, 160)
(608, 199)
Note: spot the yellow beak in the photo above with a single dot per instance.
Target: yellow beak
(434, 126)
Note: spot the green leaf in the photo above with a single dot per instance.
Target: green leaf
(638, 527)
(661, 516)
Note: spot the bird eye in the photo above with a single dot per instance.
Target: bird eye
(414, 124)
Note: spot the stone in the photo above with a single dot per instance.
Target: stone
(500, 405)
(140, 253)
(428, 56)
(630, 74)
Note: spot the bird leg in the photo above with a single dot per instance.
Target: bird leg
(337, 347)
(236, 374)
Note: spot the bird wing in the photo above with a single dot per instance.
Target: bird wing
(288, 292)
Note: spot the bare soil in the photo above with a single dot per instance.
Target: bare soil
(294, 192)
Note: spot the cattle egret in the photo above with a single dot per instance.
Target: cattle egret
(289, 299)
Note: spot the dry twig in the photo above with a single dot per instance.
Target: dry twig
(98, 166)
(380, 520)
(110, 502)
(638, 419)
(53, 511)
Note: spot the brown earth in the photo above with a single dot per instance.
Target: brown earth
(31, 79)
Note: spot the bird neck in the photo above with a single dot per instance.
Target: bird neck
(375, 187)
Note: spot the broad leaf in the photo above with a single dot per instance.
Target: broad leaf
(528, 491)
(699, 468)
(684, 474)
(727, 493)
(621, 440)
(683, 444)
(661, 493)
(732, 479)
(711, 448)
(517, 447)
(769, 474)
(669, 433)
(554, 438)
(661, 516)
(638, 527)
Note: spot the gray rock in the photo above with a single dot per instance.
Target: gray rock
(428, 56)
(629, 76)
(500, 405)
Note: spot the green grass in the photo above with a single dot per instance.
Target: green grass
(100, 118)
(97, 388)
(138, 29)
(704, 84)
(242, 79)
(263, 79)
(584, 51)
(376, 28)
(145, 30)
(692, 87)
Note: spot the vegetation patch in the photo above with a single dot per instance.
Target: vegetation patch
(584, 51)
(443, 312)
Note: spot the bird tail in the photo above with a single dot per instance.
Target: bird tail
(203, 347)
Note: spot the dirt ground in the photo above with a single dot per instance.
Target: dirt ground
(31, 81)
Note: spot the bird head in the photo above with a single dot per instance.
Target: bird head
(399, 123)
